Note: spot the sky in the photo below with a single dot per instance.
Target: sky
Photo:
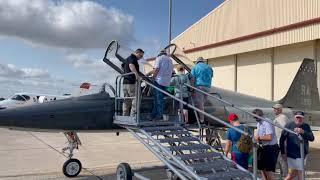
(52, 46)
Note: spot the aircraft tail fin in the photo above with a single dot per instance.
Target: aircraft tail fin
(303, 93)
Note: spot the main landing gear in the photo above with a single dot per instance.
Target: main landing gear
(72, 167)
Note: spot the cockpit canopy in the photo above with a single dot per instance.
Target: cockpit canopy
(22, 97)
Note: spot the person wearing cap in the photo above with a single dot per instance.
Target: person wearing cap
(180, 79)
(291, 151)
(202, 75)
(162, 73)
(281, 120)
(268, 150)
(233, 138)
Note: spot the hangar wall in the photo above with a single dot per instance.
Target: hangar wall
(254, 72)
(287, 60)
(265, 73)
(224, 71)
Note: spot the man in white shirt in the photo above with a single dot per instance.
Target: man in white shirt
(281, 120)
(162, 73)
(268, 150)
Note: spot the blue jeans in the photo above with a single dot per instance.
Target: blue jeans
(158, 102)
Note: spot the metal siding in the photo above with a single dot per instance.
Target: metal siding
(317, 54)
(287, 60)
(224, 72)
(237, 18)
(254, 73)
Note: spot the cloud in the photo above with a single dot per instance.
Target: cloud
(14, 79)
(95, 68)
(66, 24)
(11, 71)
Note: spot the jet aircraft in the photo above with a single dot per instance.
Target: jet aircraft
(95, 112)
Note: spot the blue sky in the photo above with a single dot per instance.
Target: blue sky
(53, 46)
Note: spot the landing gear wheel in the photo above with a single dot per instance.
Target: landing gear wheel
(71, 168)
(124, 172)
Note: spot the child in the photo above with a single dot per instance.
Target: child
(180, 79)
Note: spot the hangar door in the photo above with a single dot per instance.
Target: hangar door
(287, 60)
(254, 73)
(224, 72)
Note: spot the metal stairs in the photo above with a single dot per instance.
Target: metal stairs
(185, 155)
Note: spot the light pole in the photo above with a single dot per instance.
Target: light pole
(170, 19)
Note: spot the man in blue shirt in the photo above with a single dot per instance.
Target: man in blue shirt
(233, 138)
(202, 74)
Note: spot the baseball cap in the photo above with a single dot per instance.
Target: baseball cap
(162, 52)
(277, 106)
(299, 114)
(199, 59)
(232, 117)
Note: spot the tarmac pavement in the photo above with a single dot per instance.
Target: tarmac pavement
(36, 155)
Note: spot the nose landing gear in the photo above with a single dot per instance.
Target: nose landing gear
(72, 167)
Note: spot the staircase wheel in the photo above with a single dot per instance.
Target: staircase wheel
(124, 172)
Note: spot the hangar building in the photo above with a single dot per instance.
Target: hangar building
(256, 46)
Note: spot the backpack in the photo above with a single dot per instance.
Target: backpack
(245, 143)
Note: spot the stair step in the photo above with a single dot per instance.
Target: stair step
(159, 123)
(189, 147)
(163, 128)
(163, 133)
(230, 174)
(181, 139)
(199, 156)
(217, 165)
(217, 147)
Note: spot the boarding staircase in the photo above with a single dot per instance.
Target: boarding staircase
(185, 154)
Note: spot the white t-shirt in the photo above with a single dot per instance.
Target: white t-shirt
(164, 63)
(281, 120)
(265, 128)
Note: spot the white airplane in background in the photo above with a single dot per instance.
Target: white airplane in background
(25, 98)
